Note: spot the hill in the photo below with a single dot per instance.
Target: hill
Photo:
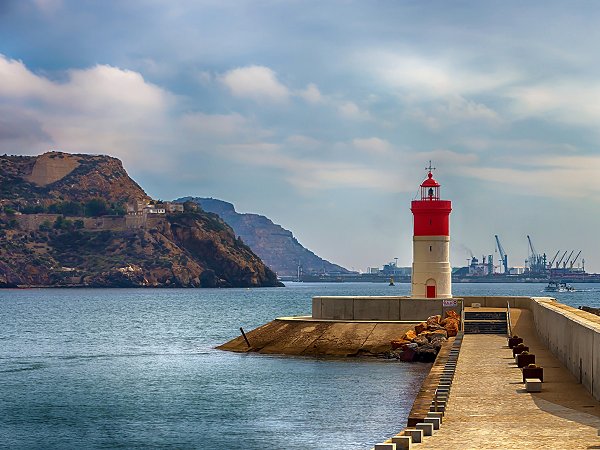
(80, 220)
(275, 245)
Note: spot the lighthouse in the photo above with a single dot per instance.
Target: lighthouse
(431, 271)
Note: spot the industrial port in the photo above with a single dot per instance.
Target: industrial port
(564, 266)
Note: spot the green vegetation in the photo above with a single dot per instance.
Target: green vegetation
(92, 208)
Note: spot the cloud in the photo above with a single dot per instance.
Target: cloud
(350, 110)
(558, 177)
(257, 83)
(373, 145)
(569, 101)
(430, 77)
(218, 125)
(311, 94)
(298, 140)
(48, 6)
(102, 109)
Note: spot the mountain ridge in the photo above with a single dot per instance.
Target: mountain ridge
(275, 245)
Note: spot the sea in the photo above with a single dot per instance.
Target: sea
(138, 368)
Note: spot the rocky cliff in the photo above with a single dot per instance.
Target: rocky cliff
(58, 176)
(189, 249)
(275, 245)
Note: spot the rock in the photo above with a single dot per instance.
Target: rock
(421, 340)
(420, 328)
(451, 327)
(409, 335)
(408, 354)
(427, 353)
(452, 314)
(399, 343)
(434, 320)
(435, 334)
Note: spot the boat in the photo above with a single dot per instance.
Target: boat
(558, 286)
(392, 281)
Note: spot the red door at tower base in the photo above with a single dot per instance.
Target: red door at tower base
(430, 291)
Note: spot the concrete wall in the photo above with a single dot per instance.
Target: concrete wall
(574, 340)
(378, 308)
(499, 302)
(32, 222)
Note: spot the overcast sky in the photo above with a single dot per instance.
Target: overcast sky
(323, 115)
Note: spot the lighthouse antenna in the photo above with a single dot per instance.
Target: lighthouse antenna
(430, 168)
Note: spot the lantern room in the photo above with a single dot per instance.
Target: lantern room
(430, 189)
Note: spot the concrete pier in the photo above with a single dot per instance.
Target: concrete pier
(309, 337)
(489, 407)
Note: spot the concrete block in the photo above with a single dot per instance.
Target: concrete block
(341, 308)
(416, 435)
(426, 427)
(385, 446)
(402, 442)
(375, 308)
(438, 409)
(316, 308)
(533, 385)
(436, 414)
(433, 420)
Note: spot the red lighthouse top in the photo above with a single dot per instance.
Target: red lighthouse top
(430, 189)
(431, 215)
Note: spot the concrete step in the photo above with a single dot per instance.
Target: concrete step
(485, 315)
(485, 327)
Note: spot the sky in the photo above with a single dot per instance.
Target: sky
(323, 115)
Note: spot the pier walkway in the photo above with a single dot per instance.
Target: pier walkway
(489, 408)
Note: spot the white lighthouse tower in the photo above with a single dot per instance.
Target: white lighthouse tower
(431, 271)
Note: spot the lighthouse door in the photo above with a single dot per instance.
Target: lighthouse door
(430, 288)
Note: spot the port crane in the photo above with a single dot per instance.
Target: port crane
(537, 262)
(503, 255)
(574, 260)
(553, 259)
(561, 258)
(568, 258)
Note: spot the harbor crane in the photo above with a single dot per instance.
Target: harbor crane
(568, 258)
(561, 258)
(503, 255)
(553, 259)
(536, 262)
(572, 263)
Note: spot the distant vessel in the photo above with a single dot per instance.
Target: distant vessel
(556, 286)
(392, 281)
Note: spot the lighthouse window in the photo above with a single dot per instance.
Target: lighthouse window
(430, 248)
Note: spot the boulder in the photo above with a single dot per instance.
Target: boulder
(408, 354)
(409, 335)
(421, 340)
(399, 343)
(433, 320)
(452, 314)
(427, 353)
(438, 333)
(451, 327)
(420, 328)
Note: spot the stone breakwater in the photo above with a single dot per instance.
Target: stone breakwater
(424, 342)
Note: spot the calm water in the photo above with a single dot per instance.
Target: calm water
(137, 368)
